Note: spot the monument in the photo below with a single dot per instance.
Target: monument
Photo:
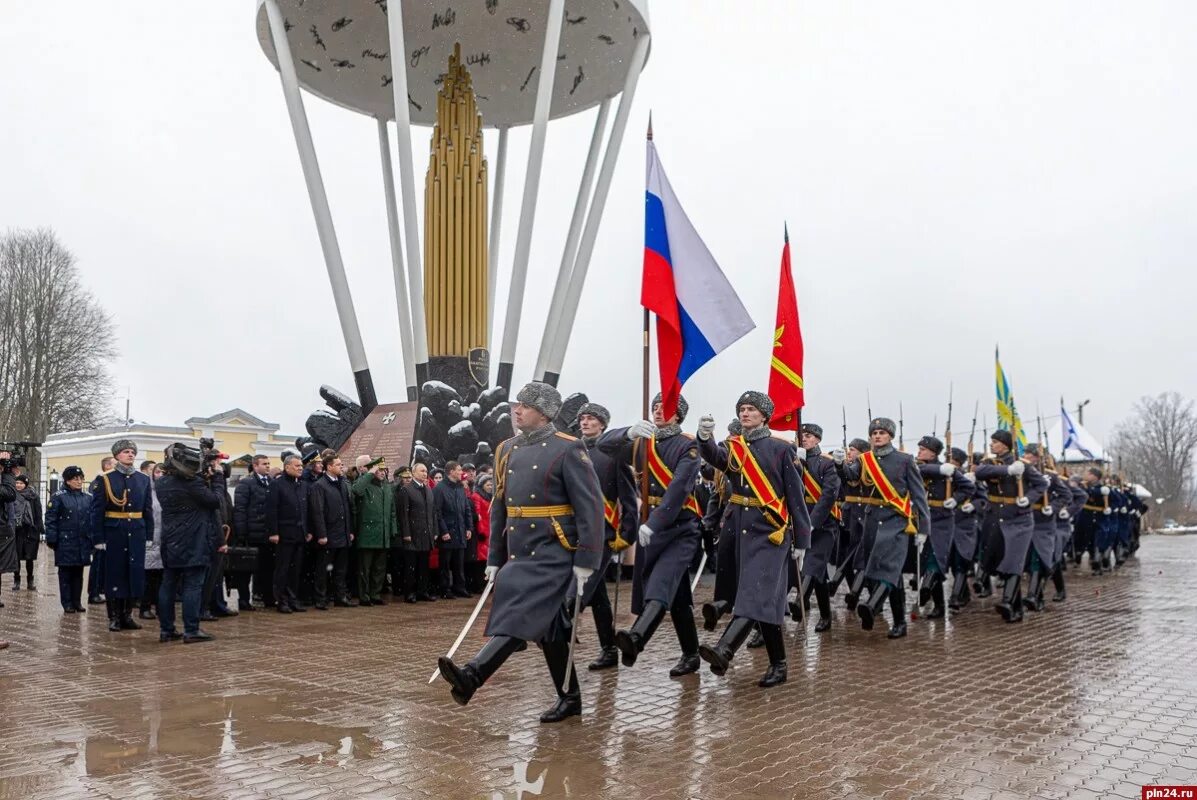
(459, 68)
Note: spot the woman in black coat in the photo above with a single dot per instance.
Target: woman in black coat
(68, 534)
(418, 530)
(29, 529)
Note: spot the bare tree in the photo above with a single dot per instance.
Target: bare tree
(1156, 447)
(53, 358)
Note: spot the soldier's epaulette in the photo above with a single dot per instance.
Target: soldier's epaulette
(566, 436)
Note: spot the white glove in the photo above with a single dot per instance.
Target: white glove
(642, 430)
(1022, 502)
(838, 455)
(706, 427)
(1107, 511)
(920, 539)
(950, 503)
(968, 507)
(947, 470)
(646, 535)
(1064, 514)
(1105, 491)
(972, 476)
(582, 574)
(101, 546)
(800, 452)
(1048, 511)
(1122, 510)
(490, 573)
(1016, 469)
(796, 553)
(1136, 513)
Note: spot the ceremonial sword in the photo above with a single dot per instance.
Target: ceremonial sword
(573, 635)
(469, 624)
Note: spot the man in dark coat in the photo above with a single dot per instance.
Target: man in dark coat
(895, 509)
(619, 527)
(330, 519)
(1013, 486)
(1041, 558)
(965, 522)
(547, 534)
(29, 530)
(8, 493)
(769, 521)
(670, 539)
(726, 569)
(417, 529)
(455, 515)
(821, 489)
(395, 563)
(122, 520)
(860, 537)
(286, 528)
(190, 534)
(95, 575)
(69, 535)
(947, 488)
(1065, 533)
(249, 529)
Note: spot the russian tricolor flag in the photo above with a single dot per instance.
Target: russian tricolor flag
(698, 313)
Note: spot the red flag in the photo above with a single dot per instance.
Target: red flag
(785, 371)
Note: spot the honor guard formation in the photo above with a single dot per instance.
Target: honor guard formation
(783, 520)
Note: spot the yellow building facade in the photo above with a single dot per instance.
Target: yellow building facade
(237, 433)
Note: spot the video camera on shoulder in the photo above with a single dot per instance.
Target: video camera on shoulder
(17, 453)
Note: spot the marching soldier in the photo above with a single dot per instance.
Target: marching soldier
(1043, 539)
(946, 488)
(726, 567)
(860, 540)
(821, 484)
(122, 521)
(1013, 486)
(767, 520)
(1095, 527)
(1065, 522)
(619, 515)
(546, 525)
(669, 540)
(966, 518)
(895, 508)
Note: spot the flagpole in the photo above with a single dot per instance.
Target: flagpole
(644, 396)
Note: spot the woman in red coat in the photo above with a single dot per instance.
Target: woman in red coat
(483, 492)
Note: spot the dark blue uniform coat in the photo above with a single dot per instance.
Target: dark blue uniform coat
(68, 528)
(123, 539)
(619, 487)
(762, 579)
(541, 468)
(943, 520)
(965, 523)
(1016, 523)
(825, 528)
(1057, 496)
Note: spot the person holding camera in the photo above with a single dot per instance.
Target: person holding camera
(189, 493)
(29, 530)
(8, 532)
(69, 535)
(123, 518)
(330, 518)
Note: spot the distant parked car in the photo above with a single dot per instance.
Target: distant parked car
(1170, 524)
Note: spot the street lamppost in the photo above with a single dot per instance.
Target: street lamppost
(1080, 411)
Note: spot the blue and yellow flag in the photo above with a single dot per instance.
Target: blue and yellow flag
(1007, 413)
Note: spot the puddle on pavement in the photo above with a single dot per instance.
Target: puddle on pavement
(212, 727)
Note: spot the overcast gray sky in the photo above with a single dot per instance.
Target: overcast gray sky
(954, 174)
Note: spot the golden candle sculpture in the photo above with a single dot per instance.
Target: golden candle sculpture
(455, 236)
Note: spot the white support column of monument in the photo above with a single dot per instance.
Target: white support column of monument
(320, 210)
(569, 312)
(523, 240)
(407, 183)
(496, 221)
(565, 269)
(401, 297)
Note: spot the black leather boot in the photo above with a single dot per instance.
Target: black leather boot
(937, 610)
(720, 656)
(854, 590)
(982, 585)
(757, 640)
(127, 621)
(925, 588)
(114, 614)
(466, 680)
(604, 626)
(1034, 599)
(711, 612)
(631, 642)
(823, 598)
(569, 704)
(870, 610)
(687, 637)
(897, 607)
(1058, 582)
(776, 646)
(1010, 606)
(960, 594)
(805, 585)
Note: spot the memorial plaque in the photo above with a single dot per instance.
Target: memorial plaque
(387, 431)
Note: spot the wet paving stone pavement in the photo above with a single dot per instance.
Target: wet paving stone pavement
(1093, 698)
